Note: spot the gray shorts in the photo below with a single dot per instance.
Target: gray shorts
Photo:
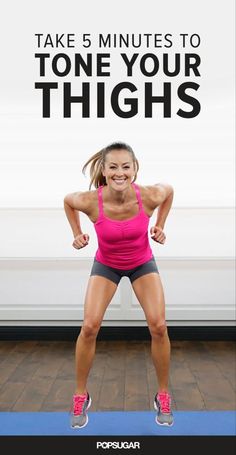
(115, 275)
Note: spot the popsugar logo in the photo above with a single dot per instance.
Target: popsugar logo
(118, 445)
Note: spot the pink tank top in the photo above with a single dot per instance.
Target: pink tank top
(123, 244)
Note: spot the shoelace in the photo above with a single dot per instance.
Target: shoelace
(78, 403)
(164, 399)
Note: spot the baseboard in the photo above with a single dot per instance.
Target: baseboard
(200, 333)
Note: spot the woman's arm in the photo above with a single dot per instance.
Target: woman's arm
(71, 207)
(164, 202)
(162, 198)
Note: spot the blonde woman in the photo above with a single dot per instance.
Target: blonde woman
(120, 211)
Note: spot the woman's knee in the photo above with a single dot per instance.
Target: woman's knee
(90, 329)
(158, 329)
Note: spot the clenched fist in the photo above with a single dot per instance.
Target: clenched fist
(157, 234)
(80, 241)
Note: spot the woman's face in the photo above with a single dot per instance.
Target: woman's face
(118, 169)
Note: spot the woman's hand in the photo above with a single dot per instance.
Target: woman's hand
(157, 234)
(80, 241)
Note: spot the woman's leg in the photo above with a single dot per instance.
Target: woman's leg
(100, 291)
(149, 291)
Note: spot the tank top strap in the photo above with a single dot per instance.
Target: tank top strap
(100, 204)
(138, 195)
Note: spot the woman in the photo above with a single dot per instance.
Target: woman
(120, 211)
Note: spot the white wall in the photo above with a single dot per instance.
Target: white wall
(41, 161)
(43, 278)
(41, 158)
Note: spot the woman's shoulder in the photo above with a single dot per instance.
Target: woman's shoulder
(89, 199)
(149, 191)
(153, 195)
(88, 195)
(82, 200)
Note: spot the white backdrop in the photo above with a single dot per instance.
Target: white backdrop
(41, 158)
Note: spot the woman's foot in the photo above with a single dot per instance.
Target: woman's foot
(79, 417)
(162, 404)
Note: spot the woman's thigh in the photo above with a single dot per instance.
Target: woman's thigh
(99, 293)
(149, 292)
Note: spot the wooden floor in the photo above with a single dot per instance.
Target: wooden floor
(39, 376)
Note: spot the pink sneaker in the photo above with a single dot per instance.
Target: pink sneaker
(162, 404)
(79, 417)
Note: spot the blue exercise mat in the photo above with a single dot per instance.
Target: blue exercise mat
(186, 423)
